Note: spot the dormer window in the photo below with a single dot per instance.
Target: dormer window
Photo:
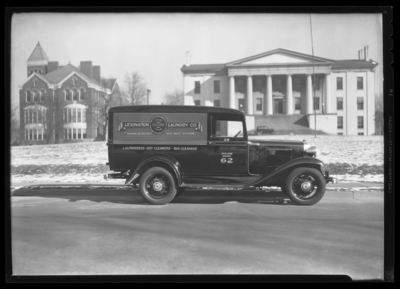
(74, 79)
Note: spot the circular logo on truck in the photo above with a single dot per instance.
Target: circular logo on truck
(158, 124)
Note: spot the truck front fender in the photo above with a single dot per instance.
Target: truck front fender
(153, 161)
(279, 175)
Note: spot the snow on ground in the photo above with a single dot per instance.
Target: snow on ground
(356, 150)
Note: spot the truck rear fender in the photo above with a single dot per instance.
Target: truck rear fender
(279, 175)
(163, 161)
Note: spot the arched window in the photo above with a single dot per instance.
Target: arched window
(81, 94)
(34, 96)
(42, 94)
(28, 96)
(34, 82)
(75, 94)
(74, 79)
(67, 95)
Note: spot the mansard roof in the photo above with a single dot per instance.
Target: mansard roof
(38, 54)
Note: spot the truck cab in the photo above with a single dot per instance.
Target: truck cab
(164, 150)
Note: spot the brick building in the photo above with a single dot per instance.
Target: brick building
(62, 103)
(278, 85)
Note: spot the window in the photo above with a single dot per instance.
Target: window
(67, 95)
(79, 115)
(28, 96)
(216, 86)
(83, 115)
(223, 127)
(197, 102)
(30, 134)
(277, 84)
(360, 83)
(197, 87)
(316, 103)
(73, 115)
(69, 116)
(34, 96)
(44, 134)
(40, 116)
(74, 133)
(79, 133)
(34, 134)
(360, 122)
(69, 133)
(26, 134)
(360, 103)
(297, 103)
(297, 84)
(259, 104)
(339, 103)
(34, 82)
(42, 93)
(65, 133)
(84, 133)
(340, 133)
(339, 83)
(258, 85)
(82, 94)
(74, 94)
(74, 80)
(360, 133)
(340, 122)
(217, 102)
(240, 86)
(34, 117)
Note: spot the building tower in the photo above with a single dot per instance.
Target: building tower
(38, 61)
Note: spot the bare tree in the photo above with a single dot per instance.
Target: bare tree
(135, 90)
(176, 97)
(379, 114)
(14, 125)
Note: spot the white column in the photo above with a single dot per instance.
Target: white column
(289, 95)
(232, 92)
(249, 96)
(268, 101)
(328, 106)
(309, 109)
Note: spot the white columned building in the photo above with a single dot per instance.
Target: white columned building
(281, 82)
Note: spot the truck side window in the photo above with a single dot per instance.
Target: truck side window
(227, 127)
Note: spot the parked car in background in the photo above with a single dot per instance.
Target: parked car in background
(264, 130)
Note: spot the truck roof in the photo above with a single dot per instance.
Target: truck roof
(175, 108)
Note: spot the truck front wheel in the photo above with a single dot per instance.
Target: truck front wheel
(157, 186)
(305, 186)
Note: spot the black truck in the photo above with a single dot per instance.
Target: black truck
(163, 150)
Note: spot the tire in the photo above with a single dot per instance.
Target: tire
(304, 186)
(179, 192)
(157, 186)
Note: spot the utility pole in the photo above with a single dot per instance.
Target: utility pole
(315, 111)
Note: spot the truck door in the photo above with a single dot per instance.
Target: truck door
(227, 145)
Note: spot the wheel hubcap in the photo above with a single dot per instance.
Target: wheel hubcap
(304, 186)
(157, 186)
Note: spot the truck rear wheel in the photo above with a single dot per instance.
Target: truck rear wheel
(157, 186)
(305, 186)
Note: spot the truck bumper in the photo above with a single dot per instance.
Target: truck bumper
(329, 179)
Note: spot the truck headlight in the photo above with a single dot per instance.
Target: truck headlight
(310, 151)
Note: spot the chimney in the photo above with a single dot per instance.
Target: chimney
(148, 96)
(366, 57)
(86, 68)
(51, 66)
(187, 58)
(359, 54)
(190, 59)
(97, 73)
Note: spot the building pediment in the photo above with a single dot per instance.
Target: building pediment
(280, 57)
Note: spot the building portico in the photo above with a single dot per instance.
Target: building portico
(287, 83)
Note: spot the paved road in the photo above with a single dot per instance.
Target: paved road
(94, 231)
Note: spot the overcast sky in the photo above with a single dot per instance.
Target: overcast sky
(155, 44)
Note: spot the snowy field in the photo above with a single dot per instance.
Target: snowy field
(350, 158)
